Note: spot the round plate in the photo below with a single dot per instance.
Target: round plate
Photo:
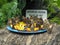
(17, 31)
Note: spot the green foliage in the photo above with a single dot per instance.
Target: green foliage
(52, 4)
(56, 3)
(10, 9)
(51, 7)
(21, 4)
(7, 11)
(2, 2)
(55, 20)
(2, 19)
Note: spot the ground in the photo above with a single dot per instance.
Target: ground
(9, 38)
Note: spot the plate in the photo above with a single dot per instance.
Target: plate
(18, 31)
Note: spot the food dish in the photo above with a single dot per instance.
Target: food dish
(26, 32)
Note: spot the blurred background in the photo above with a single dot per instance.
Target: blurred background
(13, 8)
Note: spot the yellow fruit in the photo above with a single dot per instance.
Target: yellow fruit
(15, 27)
(21, 27)
(28, 29)
(36, 29)
(11, 25)
(35, 24)
(21, 22)
(18, 27)
(41, 26)
(25, 24)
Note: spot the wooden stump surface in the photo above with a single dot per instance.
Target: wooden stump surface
(9, 38)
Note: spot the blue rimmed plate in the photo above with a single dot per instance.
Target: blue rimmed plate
(17, 31)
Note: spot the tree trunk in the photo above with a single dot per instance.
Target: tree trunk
(32, 4)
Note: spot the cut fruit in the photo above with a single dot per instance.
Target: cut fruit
(36, 29)
(41, 26)
(28, 29)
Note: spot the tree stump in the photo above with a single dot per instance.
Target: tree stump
(9, 38)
